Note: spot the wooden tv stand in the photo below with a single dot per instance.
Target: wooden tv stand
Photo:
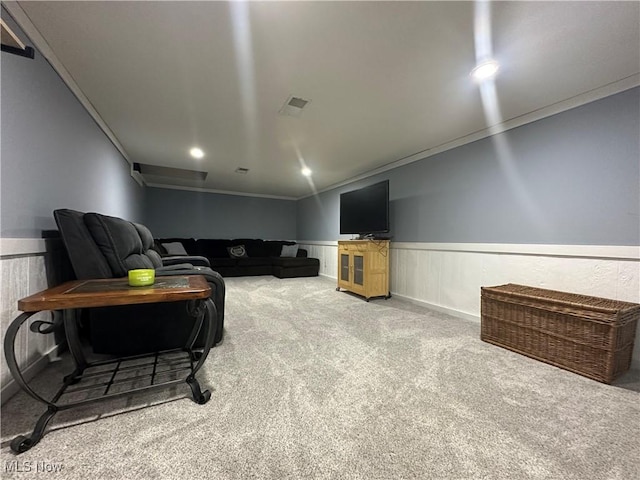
(363, 267)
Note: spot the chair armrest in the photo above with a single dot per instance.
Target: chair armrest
(212, 277)
(192, 259)
(185, 268)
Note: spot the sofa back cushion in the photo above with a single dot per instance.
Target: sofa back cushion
(289, 251)
(86, 258)
(119, 242)
(148, 244)
(213, 248)
(175, 248)
(274, 247)
(253, 247)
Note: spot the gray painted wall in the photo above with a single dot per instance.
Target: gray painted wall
(53, 153)
(180, 213)
(569, 179)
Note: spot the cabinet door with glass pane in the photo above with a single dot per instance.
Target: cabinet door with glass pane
(363, 267)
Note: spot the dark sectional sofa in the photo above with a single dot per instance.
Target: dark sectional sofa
(263, 257)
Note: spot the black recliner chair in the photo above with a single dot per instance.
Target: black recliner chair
(100, 246)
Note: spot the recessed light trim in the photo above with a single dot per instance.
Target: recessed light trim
(196, 152)
(485, 70)
(306, 171)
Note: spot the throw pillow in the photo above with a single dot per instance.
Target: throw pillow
(157, 246)
(237, 251)
(289, 250)
(174, 248)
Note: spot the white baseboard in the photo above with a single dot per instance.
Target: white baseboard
(439, 308)
(635, 362)
(422, 303)
(328, 276)
(11, 388)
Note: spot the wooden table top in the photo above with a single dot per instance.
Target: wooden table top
(116, 291)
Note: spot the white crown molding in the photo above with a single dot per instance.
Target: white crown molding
(553, 109)
(23, 20)
(30, 30)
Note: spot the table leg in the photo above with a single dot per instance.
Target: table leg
(21, 443)
(10, 355)
(75, 346)
(205, 311)
(210, 314)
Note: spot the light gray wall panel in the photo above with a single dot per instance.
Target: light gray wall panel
(53, 153)
(572, 178)
(180, 213)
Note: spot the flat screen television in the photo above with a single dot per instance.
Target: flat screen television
(365, 211)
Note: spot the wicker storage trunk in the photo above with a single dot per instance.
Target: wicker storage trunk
(587, 335)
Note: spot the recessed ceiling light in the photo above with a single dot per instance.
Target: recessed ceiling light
(485, 70)
(306, 172)
(196, 152)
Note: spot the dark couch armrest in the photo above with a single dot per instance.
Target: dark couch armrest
(219, 289)
(302, 253)
(169, 269)
(192, 259)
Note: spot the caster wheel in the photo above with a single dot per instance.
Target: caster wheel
(21, 444)
(338, 289)
(204, 398)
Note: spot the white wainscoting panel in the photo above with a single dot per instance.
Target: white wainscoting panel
(327, 253)
(22, 275)
(448, 277)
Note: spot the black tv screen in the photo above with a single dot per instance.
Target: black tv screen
(366, 210)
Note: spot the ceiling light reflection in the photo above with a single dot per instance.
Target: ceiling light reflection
(485, 70)
(196, 152)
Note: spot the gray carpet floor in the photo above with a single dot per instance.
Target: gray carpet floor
(311, 383)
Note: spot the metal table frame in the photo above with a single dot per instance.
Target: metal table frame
(199, 308)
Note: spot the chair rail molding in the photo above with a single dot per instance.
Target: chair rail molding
(21, 246)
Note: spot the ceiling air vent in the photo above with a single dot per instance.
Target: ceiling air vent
(242, 170)
(293, 106)
(147, 170)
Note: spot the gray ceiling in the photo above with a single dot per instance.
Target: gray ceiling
(386, 80)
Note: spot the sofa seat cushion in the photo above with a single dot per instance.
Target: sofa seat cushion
(223, 262)
(294, 261)
(254, 261)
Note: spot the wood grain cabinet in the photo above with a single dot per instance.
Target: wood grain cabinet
(363, 267)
